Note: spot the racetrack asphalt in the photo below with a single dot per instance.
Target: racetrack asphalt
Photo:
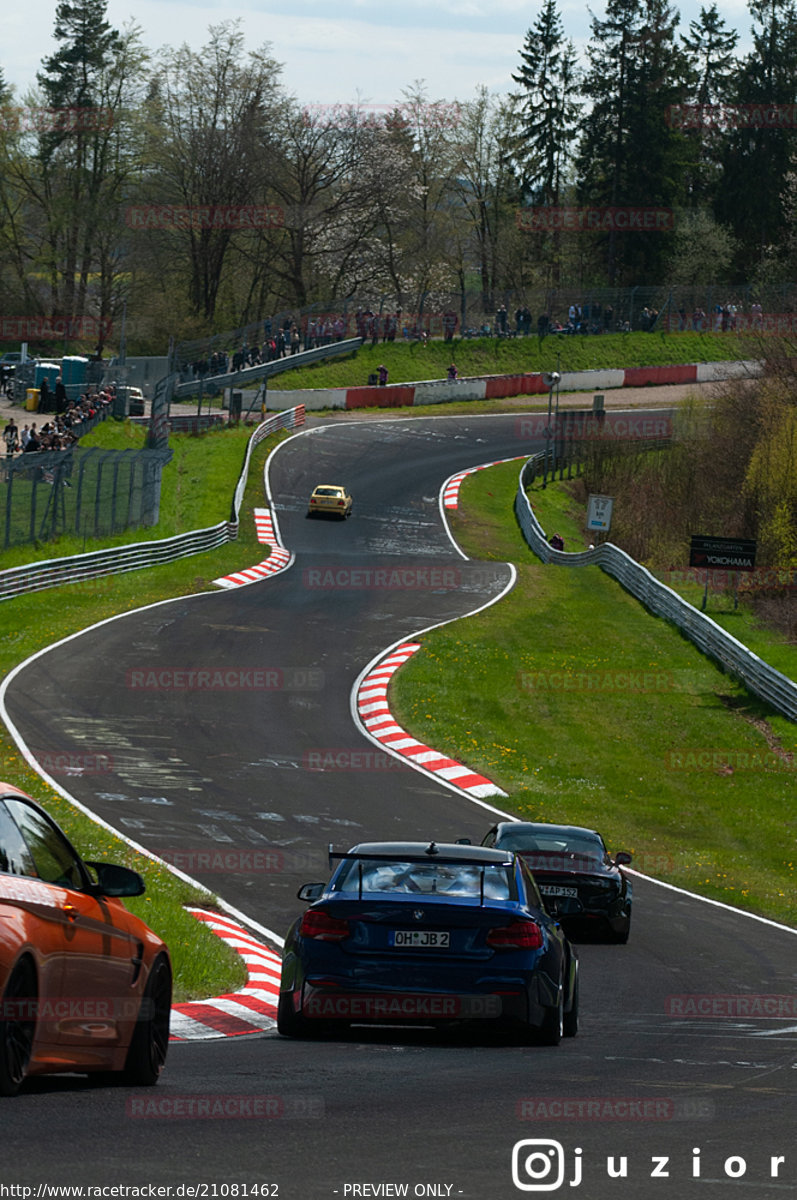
(224, 772)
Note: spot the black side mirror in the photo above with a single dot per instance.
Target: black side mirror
(113, 880)
(622, 858)
(311, 891)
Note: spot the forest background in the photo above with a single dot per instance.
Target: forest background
(188, 190)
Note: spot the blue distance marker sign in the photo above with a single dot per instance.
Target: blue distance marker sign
(722, 554)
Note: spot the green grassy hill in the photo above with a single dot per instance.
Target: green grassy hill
(412, 361)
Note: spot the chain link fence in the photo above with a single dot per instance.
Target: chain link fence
(89, 493)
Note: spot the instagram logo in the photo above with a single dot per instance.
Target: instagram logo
(538, 1165)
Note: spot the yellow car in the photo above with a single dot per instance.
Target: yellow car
(330, 498)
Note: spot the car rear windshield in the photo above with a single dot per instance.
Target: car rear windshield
(327, 491)
(412, 878)
(552, 843)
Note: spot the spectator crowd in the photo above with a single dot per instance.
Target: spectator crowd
(282, 337)
(63, 430)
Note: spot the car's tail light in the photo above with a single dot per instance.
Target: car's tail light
(320, 925)
(341, 503)
(519, 935)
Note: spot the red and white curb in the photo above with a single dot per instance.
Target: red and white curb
(451, 486)
(278, 560)
(377, 719)
(252, 1010)
(264, 524)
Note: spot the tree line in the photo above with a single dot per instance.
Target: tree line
(189, 189)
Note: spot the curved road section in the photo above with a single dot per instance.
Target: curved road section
(222, 721)
(222, 728)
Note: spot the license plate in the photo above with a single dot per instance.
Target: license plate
(424, 939)
(550, 890)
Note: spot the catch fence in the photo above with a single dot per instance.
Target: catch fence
(85, 492)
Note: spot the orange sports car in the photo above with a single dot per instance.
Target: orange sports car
(85, 986)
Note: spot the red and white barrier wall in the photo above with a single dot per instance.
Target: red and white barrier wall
(490, 387)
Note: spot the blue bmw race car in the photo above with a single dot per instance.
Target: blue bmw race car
(428, 933)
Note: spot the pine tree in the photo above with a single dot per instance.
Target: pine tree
(85, 153)
(547, 108)
(545, 118)
(72, 75)
(759, 152)
(710, 47)
(630, 154)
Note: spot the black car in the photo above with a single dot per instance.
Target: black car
(574, 871)
(418, 933)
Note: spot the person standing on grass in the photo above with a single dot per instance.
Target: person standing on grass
(381, 371)
(11, 437)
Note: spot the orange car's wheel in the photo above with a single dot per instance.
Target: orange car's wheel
(150, 1041)
(17, 1027)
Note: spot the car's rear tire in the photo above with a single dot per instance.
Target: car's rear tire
(620, 937)
(17, 1028)
(292, 1024)
(549, 1033)
(289, 1022)
(150, 1042)
(570, 1018)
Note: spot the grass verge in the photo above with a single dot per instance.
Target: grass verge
(408, 362)
(203, 469)
(203, 964)
(586, 709)
(557, 509)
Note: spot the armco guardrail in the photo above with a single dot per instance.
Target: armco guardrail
(141, 555)
(734, 657)
(277, 366)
